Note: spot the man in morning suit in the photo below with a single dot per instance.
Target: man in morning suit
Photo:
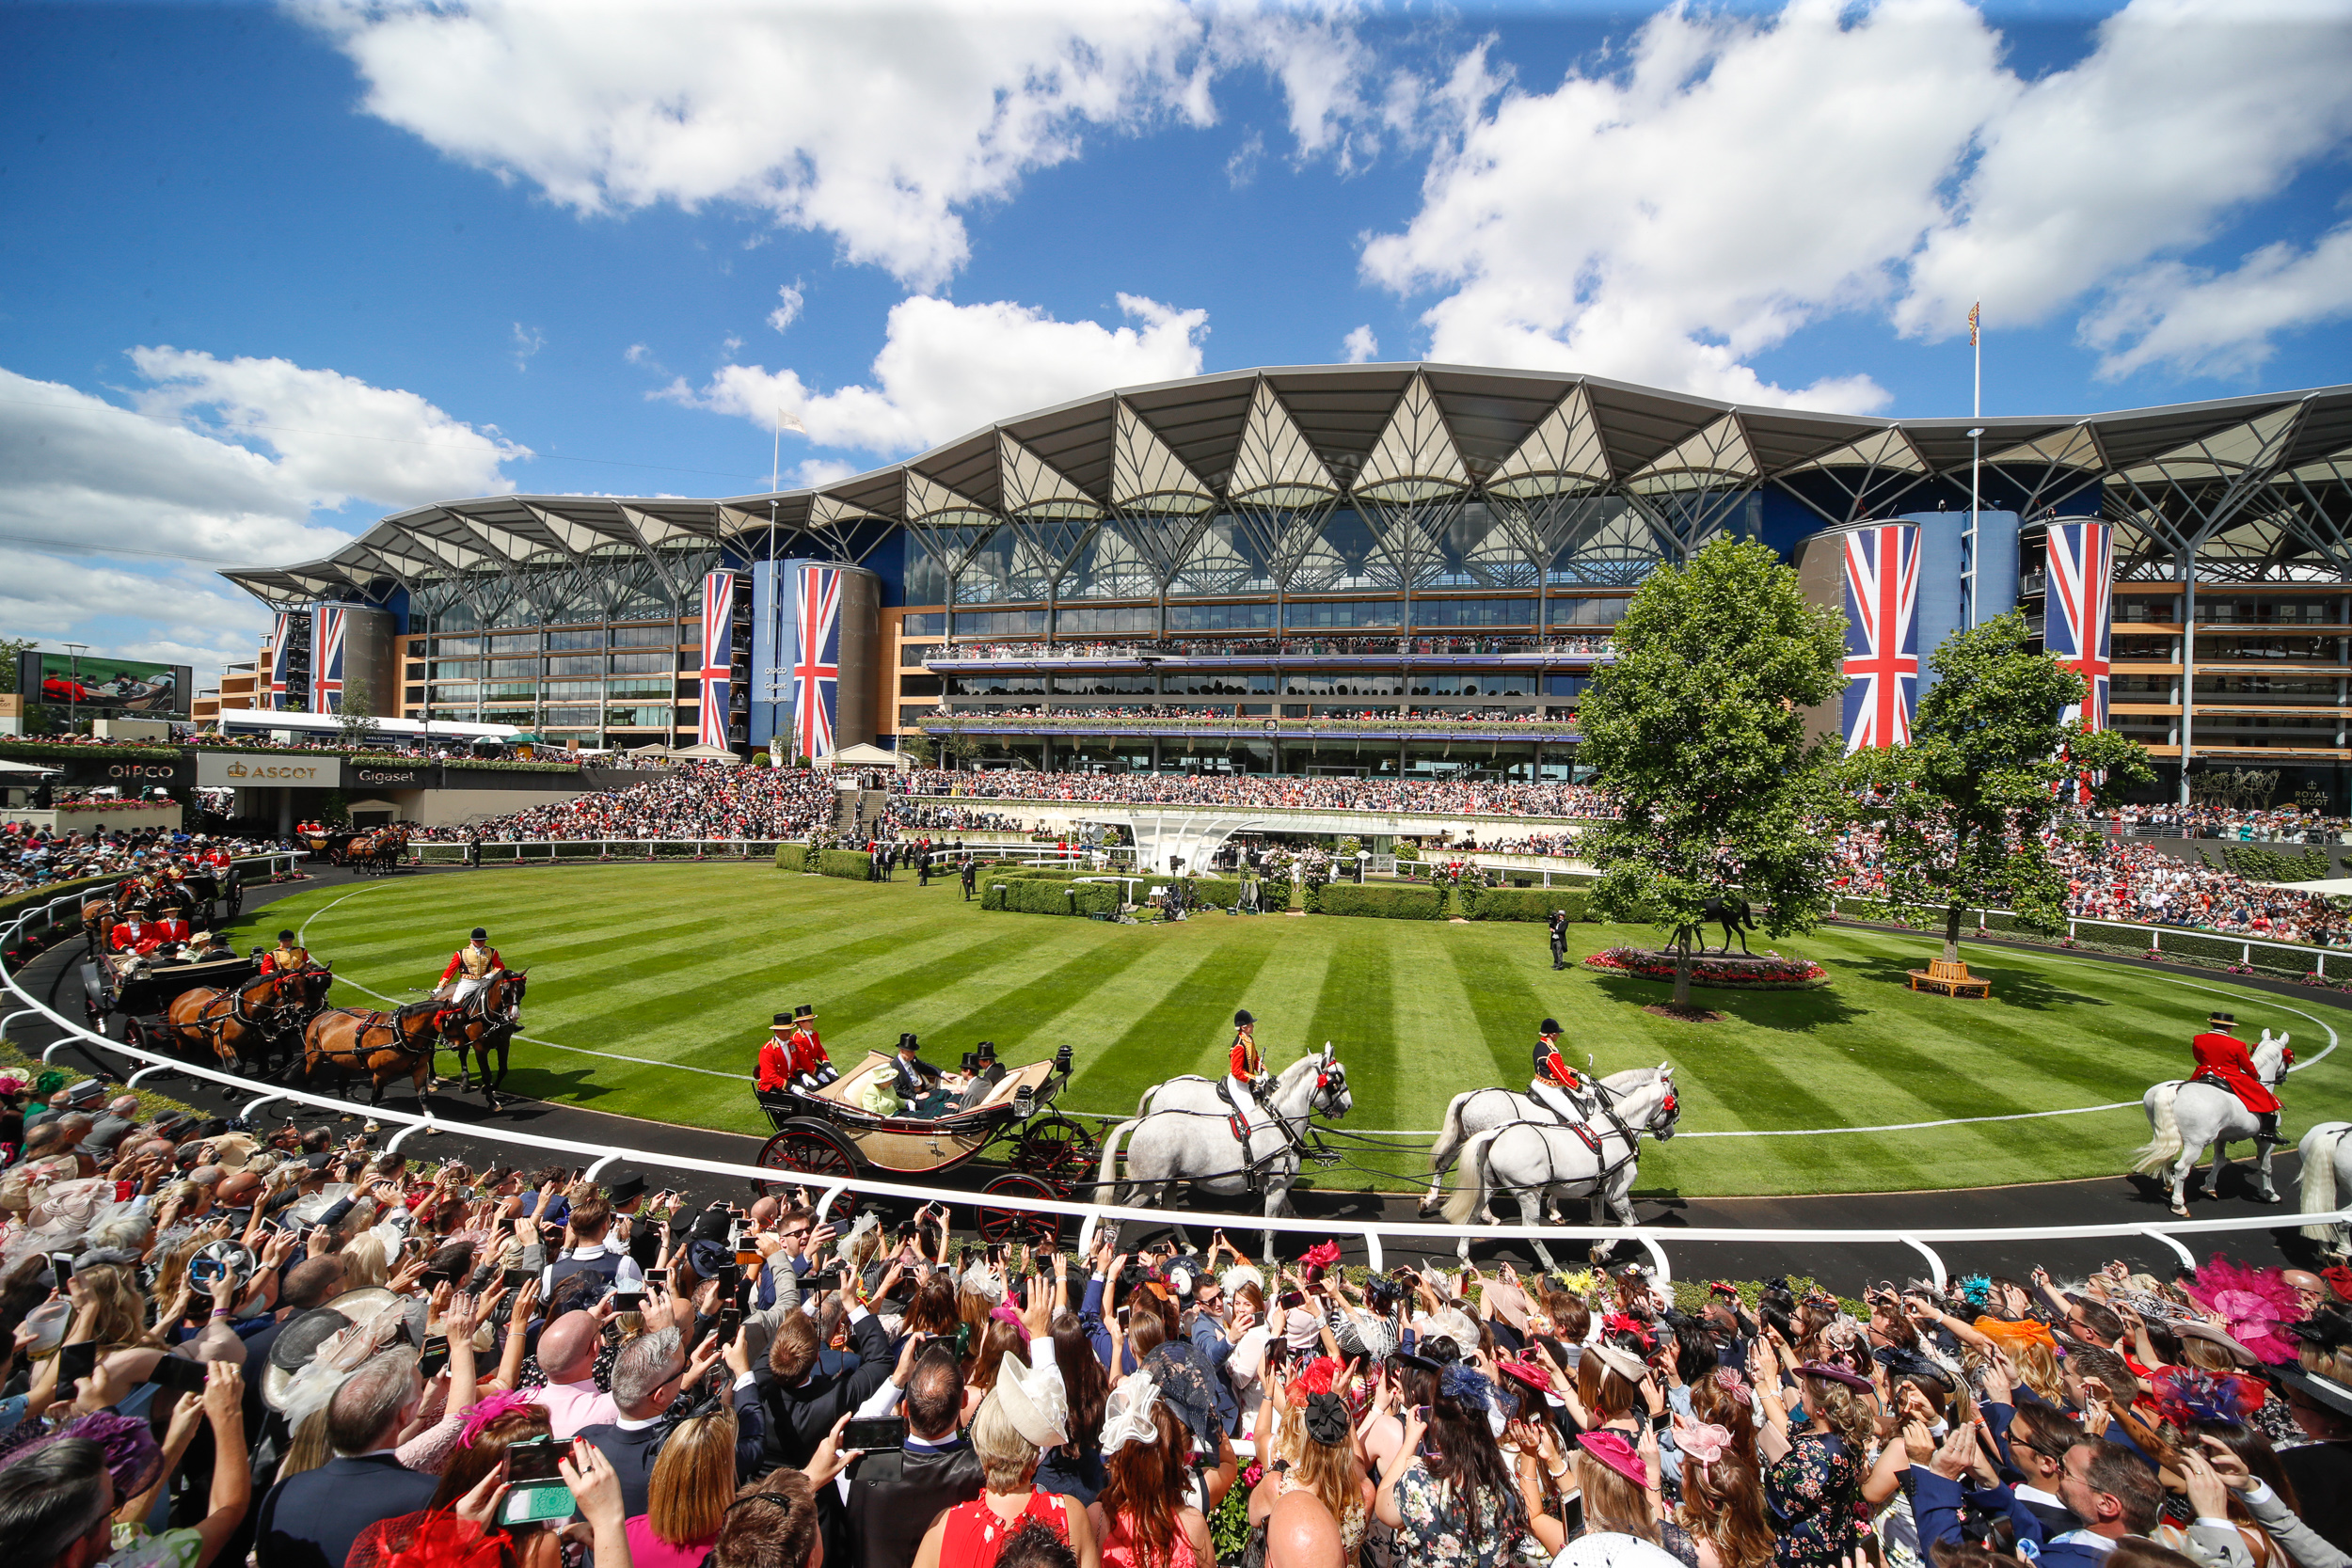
(801, 1402)
(646, 1377)
(311, 1520)
(894, 1495)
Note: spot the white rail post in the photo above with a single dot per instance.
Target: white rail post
(1935, 1263)
(410, 1132)
(2188, 1258)
(133, 1082)
(247, 1115)
(1657, 1256)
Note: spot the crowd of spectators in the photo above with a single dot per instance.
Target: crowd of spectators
(304, 1354)
(35, 857)
(1478, 798)
(699, 799)
(1247, 647)
(1254, 713)
(2264, 824)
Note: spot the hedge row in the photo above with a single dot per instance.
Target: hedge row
(1384, 903)
(1058, 895)
(791, 857)
(857, 865)
(1510, 903)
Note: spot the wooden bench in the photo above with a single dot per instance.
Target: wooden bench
(1952, 979)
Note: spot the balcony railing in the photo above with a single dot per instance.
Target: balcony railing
(1467, 727)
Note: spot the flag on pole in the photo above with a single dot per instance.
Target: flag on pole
(790, 422)
(816, 676)
(1972, 322)
(718, 658)
(1881, 635)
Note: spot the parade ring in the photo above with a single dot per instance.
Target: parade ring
(652, 984)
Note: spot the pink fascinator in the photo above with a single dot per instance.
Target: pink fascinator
(502, 1404)
(1733, 1383)
(1004, 1314)
(1611, 1448)
(1701, 1440)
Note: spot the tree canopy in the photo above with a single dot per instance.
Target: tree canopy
(1697, 734)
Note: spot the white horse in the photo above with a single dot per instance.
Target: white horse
(1476, 1111)
(1177, 1144)
(2186, 1116)
(2326, 1171)
(1538, 1159)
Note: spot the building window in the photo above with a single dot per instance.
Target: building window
(513, 669)
(1103, 686)
(587, 637)
(1344, 613)
(1587, 612)
(636, 718)
(1474, 612)
(923, 625)
(1001, 623)
(645, 636)
(1220, 617)
(637, 665)
(1108, 620)
(457, 669)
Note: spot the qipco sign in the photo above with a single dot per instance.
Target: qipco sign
(132, 778)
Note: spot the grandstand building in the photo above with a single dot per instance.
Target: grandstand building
(1391, 570)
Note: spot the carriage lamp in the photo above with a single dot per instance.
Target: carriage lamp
(1061, 1061)
(1024, 1101)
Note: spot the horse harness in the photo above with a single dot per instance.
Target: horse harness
(1603, 1101)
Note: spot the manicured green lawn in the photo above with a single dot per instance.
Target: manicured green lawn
(684, 963)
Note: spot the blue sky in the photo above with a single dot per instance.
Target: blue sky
(268, 273)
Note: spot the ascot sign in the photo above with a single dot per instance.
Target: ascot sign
(217, 772)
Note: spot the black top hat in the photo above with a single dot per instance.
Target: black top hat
(1549, 1026)
(2227, 1020)
(784, 1018)
(986, 1051)
(285, 936)
(908, 1042)
(1242, 1019)
(803, 1012)
(480, 932)
(625, 1185)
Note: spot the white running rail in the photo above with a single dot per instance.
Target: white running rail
(1434, 1239)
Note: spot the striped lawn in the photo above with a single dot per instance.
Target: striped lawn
(683, 964)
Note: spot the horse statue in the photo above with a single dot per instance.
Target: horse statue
(238, 1023)
(2186, 1116)
(2326, 1173)
(377, 1045)
(1533, 1160)
(1178, 1143)
(1476, 1111)
(486, 1022)
(1729, 910)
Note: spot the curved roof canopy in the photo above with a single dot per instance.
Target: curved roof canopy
(1297, 439)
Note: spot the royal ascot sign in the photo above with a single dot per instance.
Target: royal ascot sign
(218, 771)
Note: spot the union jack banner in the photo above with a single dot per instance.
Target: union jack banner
(2078, 630)
(815, 675)
(280, 654)
(1881, 634)
(718, 656)
(326, 658)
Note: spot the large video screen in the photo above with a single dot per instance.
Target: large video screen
(81, 683)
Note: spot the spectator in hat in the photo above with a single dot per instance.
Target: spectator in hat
(311, 1520)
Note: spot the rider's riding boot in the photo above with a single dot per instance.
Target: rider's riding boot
(2267, 1125)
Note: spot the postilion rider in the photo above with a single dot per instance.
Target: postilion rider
(1558, 1085)
(287, 958)
(2224, 1059)
(470, 968)
(1245, 1068)
(791, 1056)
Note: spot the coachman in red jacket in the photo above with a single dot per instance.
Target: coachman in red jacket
(2224, 1059)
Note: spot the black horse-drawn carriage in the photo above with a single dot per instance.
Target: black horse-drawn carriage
(142, 997)
(827, 1131)
(204, 896)
(377, 849)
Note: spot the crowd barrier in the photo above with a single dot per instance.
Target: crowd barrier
(1375, 1235)
(2187, 941)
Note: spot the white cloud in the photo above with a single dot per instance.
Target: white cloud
(2200, 324)
(1717, 185)
(1362, 347)
(142, 501)
(878, 125)
(787, 313)
(947, 369)
(2186, 111)
(527, 342)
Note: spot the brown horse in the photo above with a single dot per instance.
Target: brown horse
(488, 1023)
(239, 1023)
(382, 1046)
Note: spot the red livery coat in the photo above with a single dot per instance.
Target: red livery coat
(2228, 1061)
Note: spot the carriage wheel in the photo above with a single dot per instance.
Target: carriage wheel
(1019, 1225)
(1056, 1150)
(135, 1034)
(805, 1147)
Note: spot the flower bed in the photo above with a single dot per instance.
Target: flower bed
(1768, 973)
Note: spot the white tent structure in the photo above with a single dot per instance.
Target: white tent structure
(864, 755)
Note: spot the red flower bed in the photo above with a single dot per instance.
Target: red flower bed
(1768, 973)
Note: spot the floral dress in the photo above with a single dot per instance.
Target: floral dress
(1814, 1493)
(1437, 1531)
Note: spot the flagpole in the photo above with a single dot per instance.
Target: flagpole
(1976, 457)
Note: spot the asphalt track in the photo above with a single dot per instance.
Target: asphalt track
(2114, 1201)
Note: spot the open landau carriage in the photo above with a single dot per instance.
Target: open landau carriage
(142, 999)
(824, 1131)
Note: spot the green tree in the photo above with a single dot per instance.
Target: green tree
(9, 648)
(1696, 733)
(962, 747)
(354, 722)
(920, 747)
(1972, 807)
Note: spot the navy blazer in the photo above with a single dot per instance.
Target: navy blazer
(311, 1520)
